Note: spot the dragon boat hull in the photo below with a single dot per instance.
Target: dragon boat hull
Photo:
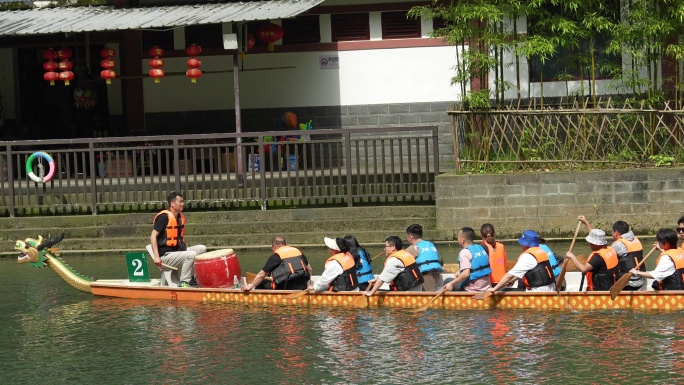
(640, 300)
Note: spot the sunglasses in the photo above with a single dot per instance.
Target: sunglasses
(680, 229)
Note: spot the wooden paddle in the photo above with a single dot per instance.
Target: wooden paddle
(622, 282)
(169, 267)
(298, 294)
(561, 276)
(381, 253)
(423, 308)
(481, 295)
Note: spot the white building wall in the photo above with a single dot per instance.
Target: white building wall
(272, 80)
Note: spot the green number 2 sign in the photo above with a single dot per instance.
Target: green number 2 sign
(137, 267)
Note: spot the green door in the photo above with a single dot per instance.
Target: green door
(137, 267)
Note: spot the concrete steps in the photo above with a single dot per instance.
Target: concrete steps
(220, 229)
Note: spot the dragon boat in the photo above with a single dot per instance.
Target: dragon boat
(41, 253)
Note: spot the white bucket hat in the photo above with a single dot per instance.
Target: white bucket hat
(331, 243)
(596, 237)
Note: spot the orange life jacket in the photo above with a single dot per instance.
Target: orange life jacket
(410, 277)
(540, 275)
(497, 261)
(174, 231)
(348, 280)
(603, 280)
(291, 266)
(676, 280)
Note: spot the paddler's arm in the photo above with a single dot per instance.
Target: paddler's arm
(582, 267)
(505, 280)
(257, 280)
(155, 249)
(463, 276)
(376, 285)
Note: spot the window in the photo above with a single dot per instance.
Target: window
(204, 35)
(396, 25)
(301, 30)
(162, 39)
(350, 26)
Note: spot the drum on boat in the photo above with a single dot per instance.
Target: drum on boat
(217, 268)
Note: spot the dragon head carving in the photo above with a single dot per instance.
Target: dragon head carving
(32, 251)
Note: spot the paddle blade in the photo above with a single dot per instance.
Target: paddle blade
(619, 285)
(297, 294)
(482, 295)
(249, 277)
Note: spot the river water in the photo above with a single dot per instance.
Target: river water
(54, 334)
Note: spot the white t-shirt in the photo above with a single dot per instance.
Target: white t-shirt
(394, 266)
(664, 269)
(527, 262)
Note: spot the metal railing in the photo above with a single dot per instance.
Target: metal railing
(314, 167)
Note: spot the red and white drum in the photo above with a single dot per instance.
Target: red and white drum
(217, 268)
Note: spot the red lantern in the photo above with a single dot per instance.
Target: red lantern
(107, 64)
(270, 33)
(193, 74)
(108, 75)
(64, 53)
(49, 54)
(50, 65)
(156, 51)
(65, 65)
(156, 63)
(156, 73)
(66, 76)
(107, 53)
(51, 76)
(250, 41)
(193, 50)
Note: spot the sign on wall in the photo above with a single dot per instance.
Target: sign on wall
(329, 62)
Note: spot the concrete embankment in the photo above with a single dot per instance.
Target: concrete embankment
(225, 229)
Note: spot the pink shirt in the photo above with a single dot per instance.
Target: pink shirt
(480, 284)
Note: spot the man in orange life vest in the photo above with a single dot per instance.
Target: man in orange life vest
(340, 268)
(669, 271)
(533, 266)
(168, 242)
(287, 266)
(601, 266)
(401, 270)
(628, 249)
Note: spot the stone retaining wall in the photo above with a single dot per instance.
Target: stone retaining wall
(549, 203)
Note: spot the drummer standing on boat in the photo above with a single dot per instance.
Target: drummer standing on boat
(401, 270)
(340, 268)
(629, 251)
(473, 260)
(287, 266)
(533, 266)
(427, 257)
(601, 266)
(670, 265)
(168, 242)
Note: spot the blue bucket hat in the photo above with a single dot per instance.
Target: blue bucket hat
(529, 238)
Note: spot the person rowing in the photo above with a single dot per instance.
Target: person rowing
(401, 270)
(601, 266)
(427, 257)
(288, 267)
(496, 252)
(629, 251)
(533, 266)
(670, 264)
(474, 270)
(364, 270)
(340, 268)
